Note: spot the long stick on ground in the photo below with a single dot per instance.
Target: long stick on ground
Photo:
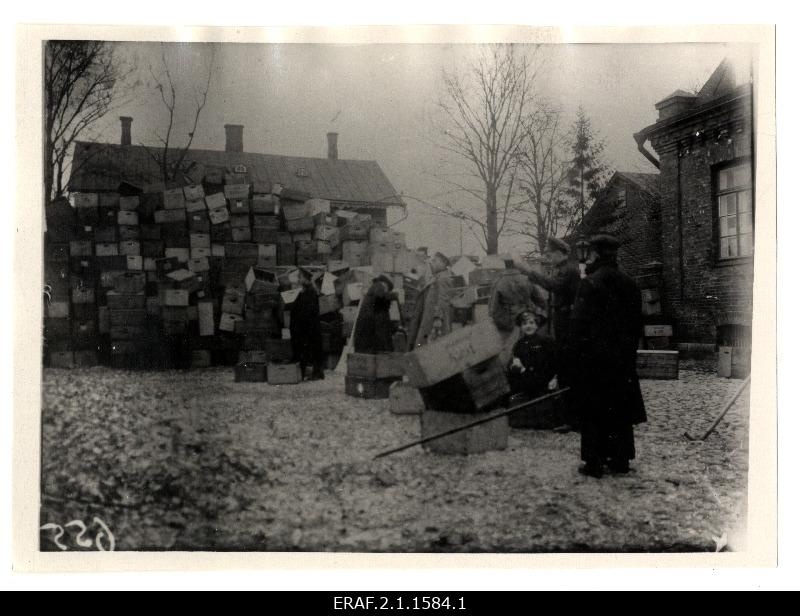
(472, 424)
(722, 414)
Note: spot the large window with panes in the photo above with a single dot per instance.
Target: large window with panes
(734, 211)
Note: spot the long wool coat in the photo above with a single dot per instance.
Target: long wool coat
(433, 303)
(605, 330)
(373, 330)
(305, 328)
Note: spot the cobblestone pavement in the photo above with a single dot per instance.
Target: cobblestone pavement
(192, 460)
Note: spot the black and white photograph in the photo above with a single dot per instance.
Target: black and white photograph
(433, 297)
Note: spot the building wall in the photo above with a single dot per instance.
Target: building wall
(641, 233)
(701, 292)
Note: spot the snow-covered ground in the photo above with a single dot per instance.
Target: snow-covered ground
(194, 461)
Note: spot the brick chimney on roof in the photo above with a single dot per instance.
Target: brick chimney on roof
(234, 138)
(125, 125)
(333, 146)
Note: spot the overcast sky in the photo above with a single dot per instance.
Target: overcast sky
(379, 98)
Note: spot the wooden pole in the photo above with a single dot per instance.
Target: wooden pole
(472, 424)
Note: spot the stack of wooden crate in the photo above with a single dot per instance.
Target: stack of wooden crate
(460, 376)
(370, 376)
(194, 245)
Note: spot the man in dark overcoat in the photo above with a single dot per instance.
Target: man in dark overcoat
(373, 329)
(605, 329)
(305, 328)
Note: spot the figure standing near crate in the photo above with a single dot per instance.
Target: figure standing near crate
(533, 365)
(305, 328)
(431, 318)
(373, 329)
(605, 329)
(511, 295)
(563, 287)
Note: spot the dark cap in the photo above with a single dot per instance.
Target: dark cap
(604, 244)
(557, 245)
(384, 278)
(442, 258)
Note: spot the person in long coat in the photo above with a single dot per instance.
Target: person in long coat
(305, 328)
(605, 330)
(431, 318)
(373, 329)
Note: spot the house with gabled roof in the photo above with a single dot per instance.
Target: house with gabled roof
(628, 207)
(357, 185)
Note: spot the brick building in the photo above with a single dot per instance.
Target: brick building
(629, 208)
(704, 143)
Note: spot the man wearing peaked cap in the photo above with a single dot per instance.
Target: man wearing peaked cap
(606, 327)
(604, 244)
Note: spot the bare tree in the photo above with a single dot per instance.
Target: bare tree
(543, 177)
(482, 128)
(82, 81)
(171, 160)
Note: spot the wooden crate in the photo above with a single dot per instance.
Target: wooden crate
(62, 359)
(284, 374)
(361, 365)
(489, 436)
(195, 207)
(215, 201)
(250, 372)
(405, 399)
(130, 283)
(168, 216)
(453, 354)
(126, 218)
(278, 350)
(657, 331)
(390, 365)
(255, 356)
(297, 211)
(545, 415)
(477, 389)
(126, 301)
(81, 248)
(657, 364)
(367, 388)
(237, 191)
(219, 216)
(241, 208)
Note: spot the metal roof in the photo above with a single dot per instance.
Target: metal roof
(102, 166)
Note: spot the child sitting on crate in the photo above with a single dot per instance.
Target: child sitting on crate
(532, 369)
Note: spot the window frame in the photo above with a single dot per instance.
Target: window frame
(717, 217)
